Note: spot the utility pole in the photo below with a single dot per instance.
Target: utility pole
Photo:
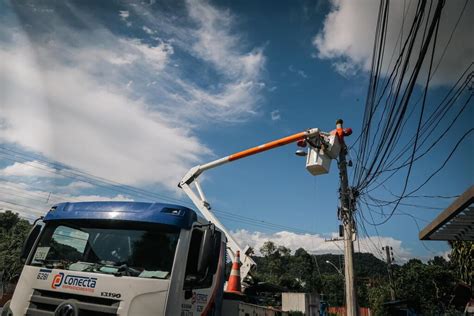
(389, 259)
(347, 218)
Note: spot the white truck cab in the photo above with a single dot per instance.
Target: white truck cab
(121, 258)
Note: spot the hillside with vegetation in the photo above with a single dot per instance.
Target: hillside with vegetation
(13, 232)
(428, 288)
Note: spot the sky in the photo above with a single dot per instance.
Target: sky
(136, 93)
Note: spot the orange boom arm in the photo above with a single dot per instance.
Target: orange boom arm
(273, 144)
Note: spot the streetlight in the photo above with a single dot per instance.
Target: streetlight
(337, 269)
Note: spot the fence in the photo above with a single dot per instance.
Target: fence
(341, 311)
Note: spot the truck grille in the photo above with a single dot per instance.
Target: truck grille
(44, 303)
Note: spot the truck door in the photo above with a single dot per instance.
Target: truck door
(204, 275)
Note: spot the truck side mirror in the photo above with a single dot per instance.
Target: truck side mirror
(207, 247)
(29, 242)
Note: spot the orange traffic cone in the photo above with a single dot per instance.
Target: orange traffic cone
(233, 286)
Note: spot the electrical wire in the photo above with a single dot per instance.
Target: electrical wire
(383, 151)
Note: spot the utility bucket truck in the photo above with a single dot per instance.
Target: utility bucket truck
(134, 258)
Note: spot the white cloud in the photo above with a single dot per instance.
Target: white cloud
(71, 99)
(148, 30)
(100, 129)
(212, 39)
(157, 56)
(316, 244)
(216, 44)
(29, 169)
(302, 74)
(299, 72)
(345, 69)
(348, 34)
(102, 50)
(91, 198)
(31, 203)
(446, 254)
(124, 14)
(275, 115)
(76, 186)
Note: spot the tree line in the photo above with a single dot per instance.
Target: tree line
(13, 232)
(434, 287)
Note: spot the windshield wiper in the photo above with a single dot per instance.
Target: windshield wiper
(49, 263)
(118, 269)
(125, 270)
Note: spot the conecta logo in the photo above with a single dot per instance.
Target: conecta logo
(57, 280)
(74, 282)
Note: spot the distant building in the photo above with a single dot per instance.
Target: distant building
(306, 303)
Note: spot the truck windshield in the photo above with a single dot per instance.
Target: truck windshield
(121, 249)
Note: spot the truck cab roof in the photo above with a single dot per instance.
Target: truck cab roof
(159, 213)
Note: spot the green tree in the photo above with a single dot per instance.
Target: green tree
(303, 268)
(302, 272)
(378, 294)
(439, 261)
(462, 258)
(427, 286)
(333, 289)
(271, 268)
(275, 268)
(268, 249)
(13, 232)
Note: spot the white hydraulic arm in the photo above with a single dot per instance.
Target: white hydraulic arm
(199, 199)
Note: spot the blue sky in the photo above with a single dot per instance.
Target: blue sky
(138, 92)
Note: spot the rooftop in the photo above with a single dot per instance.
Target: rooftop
(455, 223)
(159, 213)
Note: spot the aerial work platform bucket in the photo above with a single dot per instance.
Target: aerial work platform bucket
(318, 160)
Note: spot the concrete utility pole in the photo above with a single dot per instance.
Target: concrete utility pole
(347, 218)
(389, 258)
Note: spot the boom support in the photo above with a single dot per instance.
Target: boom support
(199, 199)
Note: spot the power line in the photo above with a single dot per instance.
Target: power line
(223, 214)
(382, 150)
